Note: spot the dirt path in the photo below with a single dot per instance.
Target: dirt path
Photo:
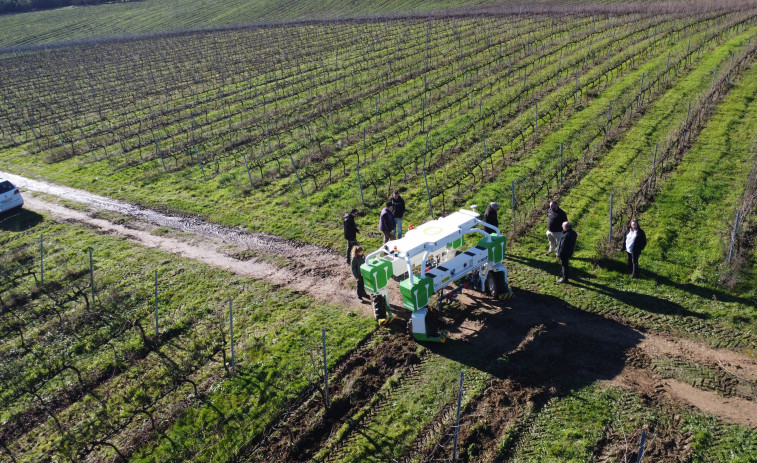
(534, 330)
(305, 268)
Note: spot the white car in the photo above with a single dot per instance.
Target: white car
(10, 196)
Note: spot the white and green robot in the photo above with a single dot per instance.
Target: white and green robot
(432, 257)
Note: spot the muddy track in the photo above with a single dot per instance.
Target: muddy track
(304, 268)
(550, 347)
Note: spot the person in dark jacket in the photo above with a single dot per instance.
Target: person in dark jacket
(555, 218)
(490, 217)
(399, 210)
(386, 222)
(565, 249)
(358, 259)
(634, 241)
(350, 231)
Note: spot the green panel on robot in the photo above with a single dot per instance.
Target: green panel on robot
(496, 247)
(376, 274)
(457, 243)
(415, 295)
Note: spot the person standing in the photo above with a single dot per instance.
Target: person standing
(634, 241)
(386, 222)
(399, 210)
(555, 218)
(358, 259)
(490, 217)
(565, 249)
(350, 231)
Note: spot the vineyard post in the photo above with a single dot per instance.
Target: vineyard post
(92, 276)
(654, 166)
(246, 166)
(80, 131)
(641, 89)
(325, 367)
(609, 116)
(156, 303)
(642, 444)
(512, 192)
(268, 134)
(360, 182)
(667, 66)
(120, 142)
(161, 155)
(733, 235)
(610, 235)
(457, 420)
(199, 161)
(536, 116)
(297, 174)
(425, 177)
(562, 147)
(41, 260)
(686, 126)
(231, 331)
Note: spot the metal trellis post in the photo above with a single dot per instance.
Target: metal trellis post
(642, 445)
(610, 235)
(41, 260)
(457, 420)
(231, 330)
(156, 303)
(325, 367)
(92, 276)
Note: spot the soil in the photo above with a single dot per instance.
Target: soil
(536, 346)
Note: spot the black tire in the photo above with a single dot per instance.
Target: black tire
(495, 284)
(379, 306)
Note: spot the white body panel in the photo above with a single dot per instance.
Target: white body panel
(10, 198)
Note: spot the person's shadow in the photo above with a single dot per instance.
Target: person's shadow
(662, 280)
(19, 220)
(583, 279)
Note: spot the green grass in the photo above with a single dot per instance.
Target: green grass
(273, 331)
(669, 296)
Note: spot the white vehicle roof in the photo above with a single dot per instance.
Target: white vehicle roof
(435, 234)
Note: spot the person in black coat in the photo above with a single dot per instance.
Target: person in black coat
(634, 241)
(555, 218)
(350, 232)
(490, 217)
(399, 210)
(565, 249)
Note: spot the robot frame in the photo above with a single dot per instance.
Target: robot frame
(429, 255)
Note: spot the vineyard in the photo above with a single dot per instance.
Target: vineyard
(125, 337)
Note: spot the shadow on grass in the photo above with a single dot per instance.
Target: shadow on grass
(582, 279)
(645, 274)
(539, 339)
(19, 220)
